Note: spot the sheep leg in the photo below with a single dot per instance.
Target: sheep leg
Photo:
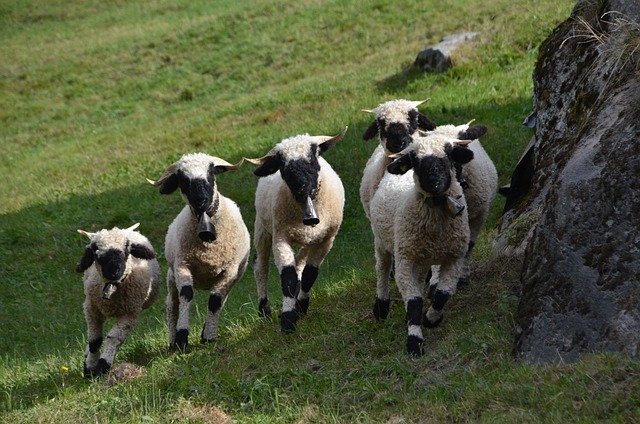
(172, 307)
(384, 261)
(95, 324)
(411, 286)
(447, 284)
(285, 261)
(117, 335)
(262, 242)
(184, 288)
(217, 299)
(316, 255)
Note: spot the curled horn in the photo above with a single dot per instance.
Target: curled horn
(223, 163)
(165, 176)
(331, 139)
(260, 161)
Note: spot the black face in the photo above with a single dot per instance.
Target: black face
(434, 174)
(112, 262)
(198, 191)
(398, 135)
(301, 176)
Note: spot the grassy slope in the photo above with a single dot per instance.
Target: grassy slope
(95, 96)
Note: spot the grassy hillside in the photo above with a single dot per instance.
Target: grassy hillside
(96, 96)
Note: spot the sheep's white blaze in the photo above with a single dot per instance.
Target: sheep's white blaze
(195, 165)
(295, 148)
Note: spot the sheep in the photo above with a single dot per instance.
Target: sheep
(206, 246)
(299, 201)
(479, 181)
(420, 219)
(121, 278)
(396, 123)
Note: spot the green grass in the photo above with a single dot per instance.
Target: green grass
(96, 96)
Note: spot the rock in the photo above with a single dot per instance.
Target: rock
(438, 58)
(579, 224)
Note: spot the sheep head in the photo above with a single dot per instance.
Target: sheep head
(397, 121)
(297, 160)
(195, 175)
(433, 159)
(109, 251)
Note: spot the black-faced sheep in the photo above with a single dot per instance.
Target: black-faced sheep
(121, 278)
(420, 219)
(207, 244)
(479, 181)
(299, 202)
(396, 123)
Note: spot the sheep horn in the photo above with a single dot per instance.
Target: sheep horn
(332, 139)
(133, 227)
(367, 110)
(85, 233)
(470, 122)
(421, 102)
(169, 172)
(259, 161)
(224, 164)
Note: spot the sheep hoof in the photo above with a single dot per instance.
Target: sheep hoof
(302, 306)
(264, 310)
(414, 346)
(102, 368)
(431, 324)
(288, 322)
(381, 309)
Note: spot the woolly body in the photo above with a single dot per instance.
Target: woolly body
(136, 291)
(418, 236)
(194, 263)
(279, 223)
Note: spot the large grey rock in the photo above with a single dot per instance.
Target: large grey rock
(579, 226)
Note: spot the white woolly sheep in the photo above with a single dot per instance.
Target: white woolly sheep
(299, 201)
(396, 123)
(420, 220)
(207, 244)
(121, 278)
(478, 178)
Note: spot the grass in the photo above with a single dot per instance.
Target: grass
(96, 96)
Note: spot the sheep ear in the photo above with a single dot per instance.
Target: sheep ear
(472, 133)
(461, 154)
(371, 131)
(425, 123)
(142, 252)
(401, 165)
(168, 182)
(225, 166)
(85, 261)
(267, 165)
(328, 144)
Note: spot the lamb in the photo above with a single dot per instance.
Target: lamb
(299, 201)
(479, 180)
(121, 278)
(420, 218)
(207, 244)
(396, 123)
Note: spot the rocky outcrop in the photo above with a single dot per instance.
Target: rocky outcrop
(437, 58)
(578, 226)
